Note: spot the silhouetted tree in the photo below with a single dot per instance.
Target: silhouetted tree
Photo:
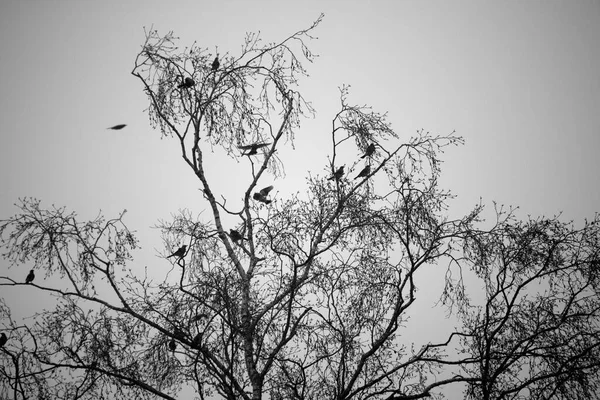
(307, 298)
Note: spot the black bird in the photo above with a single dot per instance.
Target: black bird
(252, 148)
(262, 195)
(172, 345)
(196, 341)
(117, 127)
(370, 150)
(337, 175)
(365, 172)
(187, 83)
(180, 252)
(3, 339)
(215, 64)
(235, 235)
(30, 277)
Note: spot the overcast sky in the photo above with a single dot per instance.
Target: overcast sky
(519, 80)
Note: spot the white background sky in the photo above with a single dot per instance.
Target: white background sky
(519, 80)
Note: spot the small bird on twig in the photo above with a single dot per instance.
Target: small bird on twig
(180, 252)
(337, 175)
(117, 127)
(30, 277)
(172, 345)
(252, 148)
(235, 235)
(215, 63)
(262, 195)
(187, 83)
(3, 339)
(370, 150)
(365, 172)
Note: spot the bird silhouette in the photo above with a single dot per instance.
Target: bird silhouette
(215, 64)
(365, 172)
(262, 195)
(235, 235)
(252, 148)
(30, 277)
(187, 83)
(117, 127)
(196, 341)
(180, 252)
(3, 339)
(172, 345)
(370, 150)
(337, 175)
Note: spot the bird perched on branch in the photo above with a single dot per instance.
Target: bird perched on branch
(3, 339)
(30, 277)
(337, 175)
(252, 148)
(215, 63)
(262, 195)
(370, 150)
(365, 172)
(187, 83)
(172, 345)
(235, 235)
(180, 252)
(117, 127)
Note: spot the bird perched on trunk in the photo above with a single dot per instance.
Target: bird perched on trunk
(3, 339)
(30, 277)
(365, 172)
(262, 195)
(235, 235)
(337, 175)
(215, 63)
(370, 150)
(196, 342)
(117, 127)
(252, 148)
(180, 252)
(187, 83)
(172, 345)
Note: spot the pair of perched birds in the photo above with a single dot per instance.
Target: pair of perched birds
(337, 175)
(189, 82)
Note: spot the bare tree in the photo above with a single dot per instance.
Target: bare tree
(299, 298)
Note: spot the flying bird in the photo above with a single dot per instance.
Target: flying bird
(180, 252)
(117, 127)
(370, 150)
(337, 175)
(252, 148)
(187, 83)
(235, 235)
(365, 172)
(3, 339)
(172, 345)
(262, 195)
(215, 64)
(30, 277)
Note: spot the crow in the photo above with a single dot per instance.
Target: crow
(187, 83)
(365, 172)
(337, 175)
(215, 64)
(30, 277)
(117, 127)
(235, 235)
(262, 195)
(252, 148)
(3, 339)
(370, 150)
(180, 252)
